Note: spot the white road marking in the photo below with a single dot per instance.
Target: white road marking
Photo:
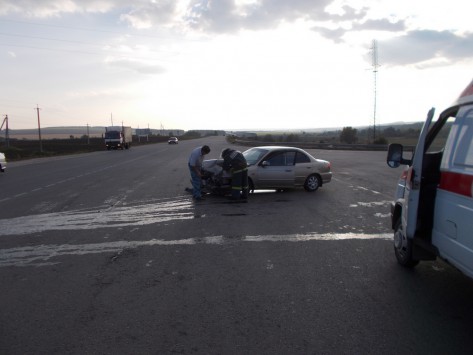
(40, 255)
(92, 219)
(376, 203)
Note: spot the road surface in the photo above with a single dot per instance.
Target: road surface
(105, 253)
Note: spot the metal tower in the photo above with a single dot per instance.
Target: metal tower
(375, 65)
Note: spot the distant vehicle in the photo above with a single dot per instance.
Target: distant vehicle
(271, 167)
(3, 162)
(118, 137)
(173, 140)
(432, 212)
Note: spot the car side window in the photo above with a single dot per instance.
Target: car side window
(290, 158)
(277, 159)
(302, 158)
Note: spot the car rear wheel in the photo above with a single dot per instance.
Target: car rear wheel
(312, 183)
(403, 247)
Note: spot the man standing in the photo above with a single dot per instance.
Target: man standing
(234, 161)
(195, 168)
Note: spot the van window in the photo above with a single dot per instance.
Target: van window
(464, 152)
(438, 142)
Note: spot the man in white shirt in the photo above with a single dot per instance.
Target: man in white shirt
(195, 168)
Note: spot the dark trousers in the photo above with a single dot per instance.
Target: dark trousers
(240, 184)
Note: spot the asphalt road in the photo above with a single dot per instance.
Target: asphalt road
(105, 253)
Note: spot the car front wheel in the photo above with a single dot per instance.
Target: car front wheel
(312, 183)
(403, 247)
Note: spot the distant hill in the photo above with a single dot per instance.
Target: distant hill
(56, 132)
(97, 131)
(395, 125)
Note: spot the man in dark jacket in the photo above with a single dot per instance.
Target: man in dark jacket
(236, 163)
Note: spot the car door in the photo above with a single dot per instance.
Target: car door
(276, 170)
(303, 168)
(412, 192)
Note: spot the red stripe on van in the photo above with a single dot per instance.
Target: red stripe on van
(457, 183)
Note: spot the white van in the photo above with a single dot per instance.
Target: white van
(432, 214)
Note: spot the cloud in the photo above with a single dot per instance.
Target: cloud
(336, 34)
(420, 46)
(231, 15)
(54, 8)
(153, 13)
(214, 16)
(380, 25)
(332, 21)
(138, 66)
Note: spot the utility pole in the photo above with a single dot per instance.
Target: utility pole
(7, 134)
(88, 136)
(375, 65)
(39, 130)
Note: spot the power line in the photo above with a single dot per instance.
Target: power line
(93, 52)
(104, 52)
(82, 29)
(48, 39)
(64, 40)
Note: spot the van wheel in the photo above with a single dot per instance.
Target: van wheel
(312, 183)
(403, 247)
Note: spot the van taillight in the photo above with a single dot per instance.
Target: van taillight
(404, 174)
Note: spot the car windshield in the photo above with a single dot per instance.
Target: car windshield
(253, 155)
(112, 135)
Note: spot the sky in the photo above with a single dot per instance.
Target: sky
(231, 64)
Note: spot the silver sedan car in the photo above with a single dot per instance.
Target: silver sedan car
(276, 167)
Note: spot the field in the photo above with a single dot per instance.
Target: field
(19, 149)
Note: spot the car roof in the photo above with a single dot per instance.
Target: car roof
(277, 147)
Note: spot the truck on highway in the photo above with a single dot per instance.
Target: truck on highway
(118, 137)
(432, 212)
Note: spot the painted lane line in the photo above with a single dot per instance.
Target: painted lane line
(110, 217)
(40, 255)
